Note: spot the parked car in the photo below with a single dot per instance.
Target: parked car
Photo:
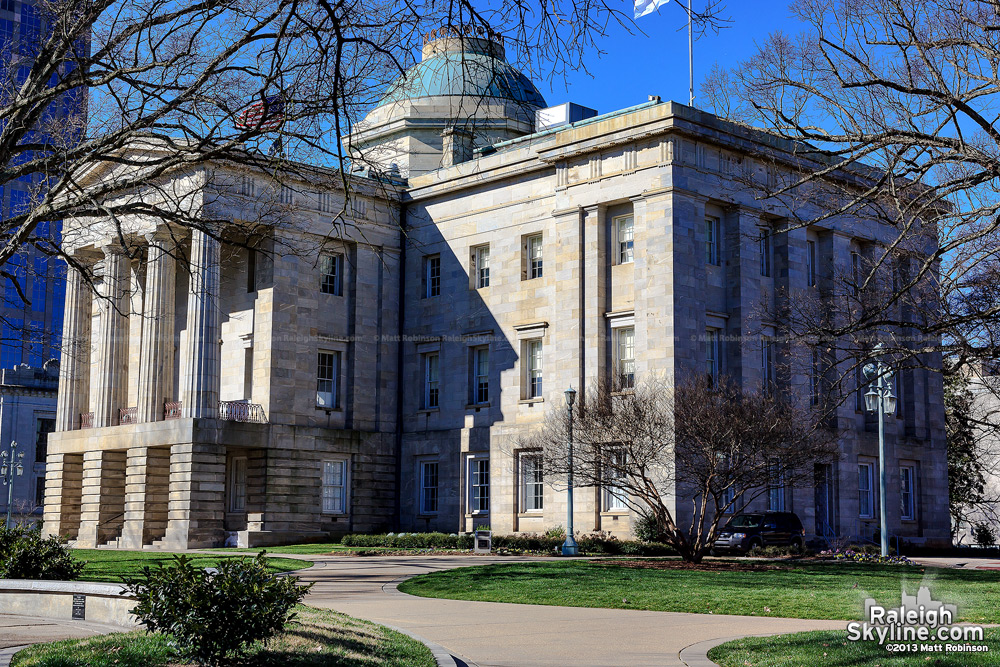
(763, 529)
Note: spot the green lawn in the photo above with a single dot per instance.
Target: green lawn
(112, 565)
(831, 649)
(795, 590)
(316, 637)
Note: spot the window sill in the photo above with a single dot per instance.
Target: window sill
(614, 513)
(476, 406)
(530, 401)
(427, 515)
(624, 392)
(426, 411)
(476, 515)
(335, 515)
(328, 410)
(532, 514)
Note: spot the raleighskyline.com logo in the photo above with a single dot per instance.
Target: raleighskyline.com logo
(919, 624)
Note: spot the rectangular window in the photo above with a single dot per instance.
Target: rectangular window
(855, 273)
(532, 486)
(335, 487)
(251, 270)
(327, 380)
(765, 253)
(614, 495)
(481, 374)
(811, 263)
(429, 487)
(481, 266)
(712, 241)
(712, 355)
(535, 256)
(727, 499)
(907, 492)
(533, 368)
(432, 276)
(625, 357)
(815, 374)
(39, 284)
(246, 186)
(624, 235)
(332, 267)
(866, 499)
(862, 387)
(11, 348)
(40, 491)
(479, 485)
(776, 489)
(767, 364)
(285, 195)
(43, 427)
(432, 380)
(238, 485)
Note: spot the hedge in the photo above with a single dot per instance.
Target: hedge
(593, 545)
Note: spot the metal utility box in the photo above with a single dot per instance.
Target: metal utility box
(483, 542)
(562, 114)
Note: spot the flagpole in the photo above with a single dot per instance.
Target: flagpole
(690, 57)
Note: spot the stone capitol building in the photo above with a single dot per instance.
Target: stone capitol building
(291, 382)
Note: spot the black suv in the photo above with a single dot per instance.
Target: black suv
(746, 531)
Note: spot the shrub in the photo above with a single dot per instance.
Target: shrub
(213, 616)
(646, 529)
(25, 554)
(984, 535)
(409, 541)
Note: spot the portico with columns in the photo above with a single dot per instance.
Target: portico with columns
(160, 444)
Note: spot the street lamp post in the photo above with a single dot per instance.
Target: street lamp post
(569, 547)
(880, 400)
(10, 466)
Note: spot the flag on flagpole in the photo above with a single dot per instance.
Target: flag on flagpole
(643, 7)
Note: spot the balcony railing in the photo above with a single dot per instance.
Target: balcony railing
(241, 411)
(86, 420)
(172, 410)
(127, 415)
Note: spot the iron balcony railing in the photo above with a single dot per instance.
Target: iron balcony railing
(172, 410)
(241, 411)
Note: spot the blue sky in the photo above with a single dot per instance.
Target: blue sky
(636, 66)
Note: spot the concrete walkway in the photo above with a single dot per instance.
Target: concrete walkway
(17, 632)
(491, 634)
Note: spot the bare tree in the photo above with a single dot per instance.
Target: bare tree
(686, 454)
(890, 108)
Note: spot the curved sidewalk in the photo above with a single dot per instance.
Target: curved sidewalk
(490, 634)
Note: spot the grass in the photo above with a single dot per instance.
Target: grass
(794, 590)
(831, 649)
(315, 637)
(113, 565)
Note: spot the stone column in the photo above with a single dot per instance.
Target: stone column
(74, 369)
(156, 368)
(200, 384)
(112, 342)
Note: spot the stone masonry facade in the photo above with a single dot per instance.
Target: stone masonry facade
(367, 359)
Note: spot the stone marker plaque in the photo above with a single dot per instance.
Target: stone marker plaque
(79, 607)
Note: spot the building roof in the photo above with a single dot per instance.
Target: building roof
(467, 73)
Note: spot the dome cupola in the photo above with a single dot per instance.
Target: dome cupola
(463, 94)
